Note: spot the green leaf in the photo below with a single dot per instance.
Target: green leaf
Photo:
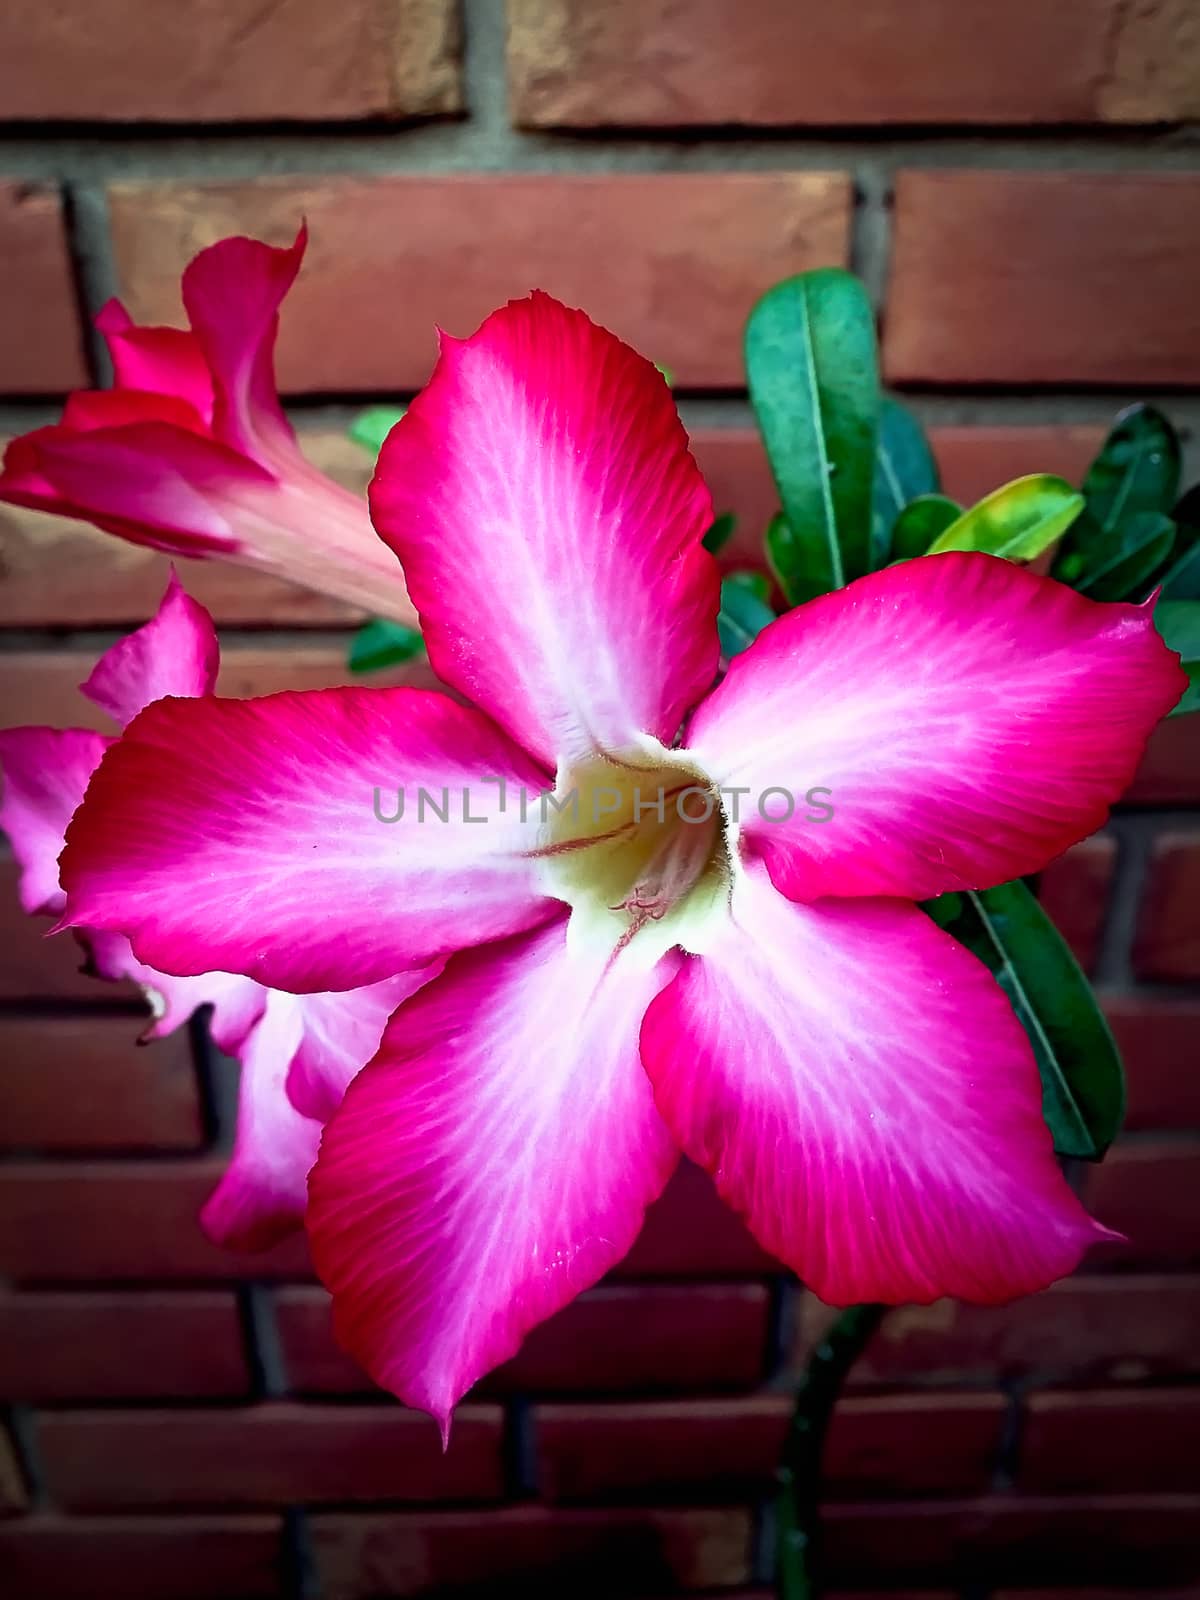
(1116, 563)
(1181, 580)
(1179, 623)
(668, 374)
(904, 469)
(1136, 475)
(921, 522)
(743, 614)
(814, 384)
(1017, 522)
(382, 643)
(757, 582)
(372, 426)
(1137, 468)
(1083, 1086)
(720, 533)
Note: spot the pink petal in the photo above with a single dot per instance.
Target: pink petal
(152, 483)
(242, 836)
(237, 1002)
(341, 1032)
(966, 720)
(45, 773)
(163, 360)
(548, 514)
(858, 1087)
(87, 410)
(493, 1160)
(262, 1196)
(175, 653)
(232, 293)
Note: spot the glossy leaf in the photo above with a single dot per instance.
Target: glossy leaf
(1137, 468)
(382, 643)
(1083, 1085)
(719, 535)
(743, 614)
(1117, 563)
(372, 426)
(814, 384)
(1179, 623)
(757, 582)
(1181, 579)
(1017, 522)
(904, 469)
(921, 522)
(1135, 475)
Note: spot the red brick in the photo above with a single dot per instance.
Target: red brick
(62, 573)
(974, 461)
(1044, 277)
(1168, 933)
(12, 1483)
(141, 1558)
(41, 968)
(133, 1346)
(229, 61)
(786, 63)
(617, 1338)
(691, 1233)
(41, 351)
(1149, 1191)
(1137, 1539)
(1074, 892)
(267, 1455)
(1157, 1038)
(69, 1222)
(550, 1554)
(671, 262)
(1142, 1441)
(84, 1083)
(713, 1446)
(1084, 1330)
(1170, 771)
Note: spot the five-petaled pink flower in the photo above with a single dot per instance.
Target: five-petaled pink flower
(191, 453)
(763, 995)
(297, 1052)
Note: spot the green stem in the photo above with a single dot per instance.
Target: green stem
(798, 1502)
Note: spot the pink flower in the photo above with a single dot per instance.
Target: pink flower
(759, 993)
(297, 1052)
(191, 452)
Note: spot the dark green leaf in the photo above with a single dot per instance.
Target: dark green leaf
(1135, 474)
(1083, 1086)
(904, 469)
(814, 383)
(743, 614)
(1016, 522)
(381, 643)
(1116, 563)
(720, 533)
(1179, 623)
(1137, 468)
(920, 523)
(372, 426)
(1181, 579)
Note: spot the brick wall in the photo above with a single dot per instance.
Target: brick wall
(1018, 185)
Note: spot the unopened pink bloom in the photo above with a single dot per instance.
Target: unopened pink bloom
(191, 453)
(298, 1053)
(762, 994)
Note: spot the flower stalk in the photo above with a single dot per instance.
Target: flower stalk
(797, 1503)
